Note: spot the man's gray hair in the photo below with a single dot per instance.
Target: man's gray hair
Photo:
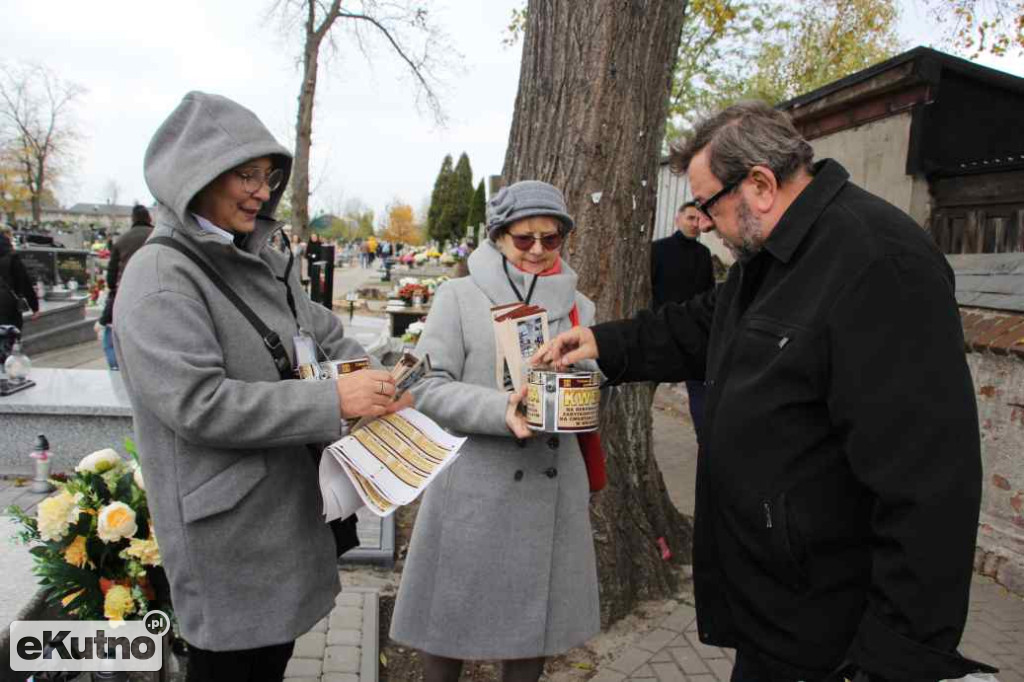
(745, 135)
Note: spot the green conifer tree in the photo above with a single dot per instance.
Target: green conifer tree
(439, 200)
(477, 211)
(460, 198)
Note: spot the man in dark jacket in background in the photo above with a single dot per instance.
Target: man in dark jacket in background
(120, 253)
(680, 269)
(839, 483)
(15, 283)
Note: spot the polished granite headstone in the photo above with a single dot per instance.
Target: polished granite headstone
(78, 410)
(51, 265)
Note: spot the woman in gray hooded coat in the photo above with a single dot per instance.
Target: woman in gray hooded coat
(501, 563)
(222, 439)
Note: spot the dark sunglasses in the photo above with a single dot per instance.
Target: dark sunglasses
(705, 206)
(549, 242)
(253, 179)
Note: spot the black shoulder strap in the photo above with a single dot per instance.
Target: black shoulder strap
(270, 338)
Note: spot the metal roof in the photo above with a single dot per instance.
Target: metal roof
(990, 280)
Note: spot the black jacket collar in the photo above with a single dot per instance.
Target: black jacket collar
(829, 178)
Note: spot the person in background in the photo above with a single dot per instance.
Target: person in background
(15, 283)
(313, 252)
(839, 481)
(121, 251)
(680, 269)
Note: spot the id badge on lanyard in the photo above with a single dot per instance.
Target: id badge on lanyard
(306, 365)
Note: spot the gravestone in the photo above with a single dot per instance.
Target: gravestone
(51, 265)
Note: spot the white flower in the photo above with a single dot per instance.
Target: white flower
(416, 328)
(56, 514)
(137, 476)
(116, 522)
(100, 461)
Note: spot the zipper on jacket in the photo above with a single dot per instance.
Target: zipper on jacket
(768, 514)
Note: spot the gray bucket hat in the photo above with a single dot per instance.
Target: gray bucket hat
(523, 200)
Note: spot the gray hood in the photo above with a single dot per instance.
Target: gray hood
(203, 137)
(556, 293)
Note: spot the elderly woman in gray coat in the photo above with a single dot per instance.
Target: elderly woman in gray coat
(501, 563)
(222, 438)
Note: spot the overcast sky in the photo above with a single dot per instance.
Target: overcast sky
(136, 58)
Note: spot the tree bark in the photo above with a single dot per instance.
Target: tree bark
(304, 118)
(589, 118)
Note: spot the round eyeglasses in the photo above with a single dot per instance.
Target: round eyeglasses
(253, 179)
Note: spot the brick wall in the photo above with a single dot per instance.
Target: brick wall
(995, 354)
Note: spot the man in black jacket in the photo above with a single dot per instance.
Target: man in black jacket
(839, 483)
(680, 269)
(120, 253)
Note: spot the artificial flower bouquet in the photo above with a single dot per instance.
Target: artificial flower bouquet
(95, 551)
(409, 292)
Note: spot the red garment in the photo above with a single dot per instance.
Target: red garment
(590, 443)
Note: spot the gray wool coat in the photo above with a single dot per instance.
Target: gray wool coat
(221, 439)
(501, 563)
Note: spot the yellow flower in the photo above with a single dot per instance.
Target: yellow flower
(100, 461)
(70, 597)
(56, 514)
(118, 603)
(116, 522)
(146, 551)
(75, 553)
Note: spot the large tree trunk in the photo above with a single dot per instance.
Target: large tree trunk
(304, 137)
(589, 118)
(37, 193)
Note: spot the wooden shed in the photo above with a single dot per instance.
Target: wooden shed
(936, 135)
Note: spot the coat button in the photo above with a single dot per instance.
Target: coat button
(553, 442)
(518, 475)
(551, 472)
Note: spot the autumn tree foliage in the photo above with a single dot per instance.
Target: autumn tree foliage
(400, 225)
(774, 50)
(977, 27)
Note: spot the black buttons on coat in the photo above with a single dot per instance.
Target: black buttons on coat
(518, 475)
(553, 442)
(551, 472)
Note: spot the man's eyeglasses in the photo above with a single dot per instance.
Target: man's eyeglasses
(705, 206)
(253, 179)
(524, 242)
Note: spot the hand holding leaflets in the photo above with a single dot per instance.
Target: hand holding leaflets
(385, 461)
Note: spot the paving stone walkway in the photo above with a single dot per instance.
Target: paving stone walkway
(343, 646)
(671, 651)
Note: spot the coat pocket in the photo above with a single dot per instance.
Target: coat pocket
(778, 334)
(788, 555)
(224, 490)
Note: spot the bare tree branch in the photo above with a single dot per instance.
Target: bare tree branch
(37, 108)
(319, 18)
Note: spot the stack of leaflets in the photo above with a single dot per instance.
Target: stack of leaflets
(519, 331)
(386, 462)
